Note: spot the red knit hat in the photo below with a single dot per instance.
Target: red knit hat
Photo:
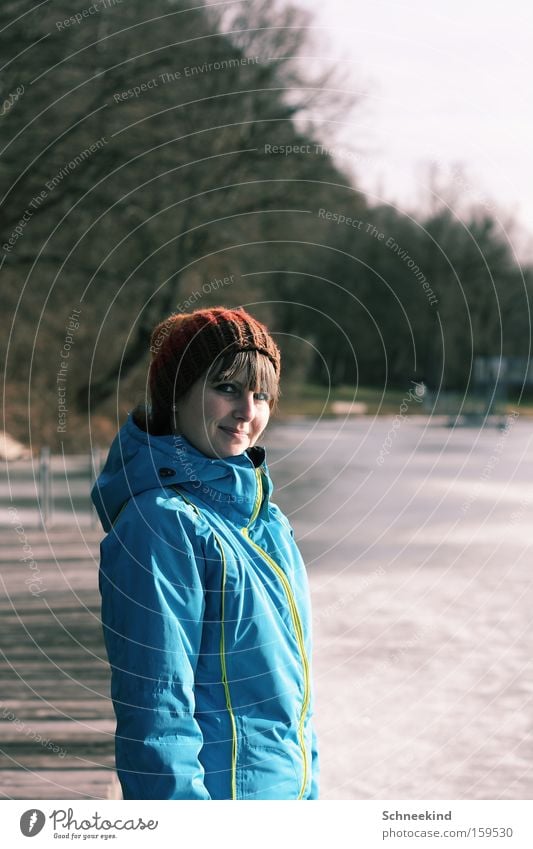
(185, 345)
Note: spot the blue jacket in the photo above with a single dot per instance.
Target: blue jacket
(205, 610)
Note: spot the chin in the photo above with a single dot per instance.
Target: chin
(235, 451)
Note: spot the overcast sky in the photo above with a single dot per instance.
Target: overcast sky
(450, 81)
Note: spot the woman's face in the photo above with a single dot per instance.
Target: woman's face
(222, 419)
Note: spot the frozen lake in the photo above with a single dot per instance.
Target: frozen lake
(421, 578)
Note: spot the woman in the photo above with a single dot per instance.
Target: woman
(205, 604)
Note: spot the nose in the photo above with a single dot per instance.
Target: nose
(245, 406)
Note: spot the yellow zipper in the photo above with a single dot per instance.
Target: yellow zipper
(297, 626)
(258, 496)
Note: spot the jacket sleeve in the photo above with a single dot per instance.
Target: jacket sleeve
(151, 582)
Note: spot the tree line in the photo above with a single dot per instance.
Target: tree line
(157, 157)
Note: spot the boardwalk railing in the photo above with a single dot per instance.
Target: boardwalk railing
(62, 481)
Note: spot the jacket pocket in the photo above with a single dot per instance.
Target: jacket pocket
(268, 761)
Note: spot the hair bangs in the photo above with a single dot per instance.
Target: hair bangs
(259, 373)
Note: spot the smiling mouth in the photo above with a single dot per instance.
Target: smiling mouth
(232, 432)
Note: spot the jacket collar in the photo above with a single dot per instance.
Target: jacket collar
(229, 486)
(138, 461)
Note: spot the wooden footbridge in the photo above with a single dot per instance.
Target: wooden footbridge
(56, 717)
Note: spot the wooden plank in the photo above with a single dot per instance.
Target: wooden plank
(56, 717)
(56, 784)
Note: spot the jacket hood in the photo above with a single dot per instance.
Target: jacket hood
(138, 461)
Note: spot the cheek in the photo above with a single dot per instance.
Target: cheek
(262, 419)
(216, 408)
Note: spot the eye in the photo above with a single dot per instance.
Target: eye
(262, 396)
(226, 388)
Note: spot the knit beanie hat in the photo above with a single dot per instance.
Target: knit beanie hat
(185, 345)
